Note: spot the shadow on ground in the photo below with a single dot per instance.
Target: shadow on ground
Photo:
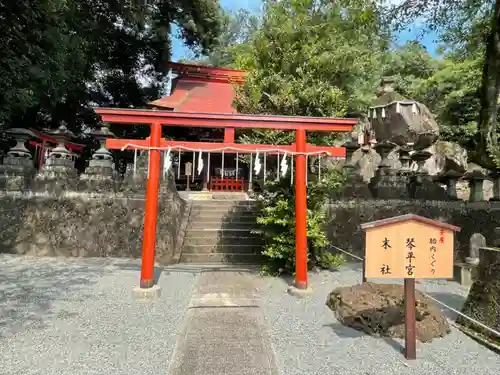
(455, 301)
(30, 287)
(347, 332)
(137, 268)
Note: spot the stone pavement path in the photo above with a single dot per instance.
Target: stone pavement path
(224, 331)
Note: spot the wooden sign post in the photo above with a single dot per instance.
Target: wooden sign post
(188, 169)
(409, 247)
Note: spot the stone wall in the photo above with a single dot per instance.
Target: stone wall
(84, 224)
(345, 217)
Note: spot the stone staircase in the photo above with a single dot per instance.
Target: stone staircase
(220, 231)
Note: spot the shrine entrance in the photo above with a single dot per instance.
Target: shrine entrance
(155, 144)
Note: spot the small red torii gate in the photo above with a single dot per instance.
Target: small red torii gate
(156, 119)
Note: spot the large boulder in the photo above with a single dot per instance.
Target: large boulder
(402, 121)
(378, 309)
(446, 156)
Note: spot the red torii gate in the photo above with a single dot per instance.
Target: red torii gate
(156, 119)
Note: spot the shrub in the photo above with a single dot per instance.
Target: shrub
(276, 224)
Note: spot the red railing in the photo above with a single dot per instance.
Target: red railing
(226, 184)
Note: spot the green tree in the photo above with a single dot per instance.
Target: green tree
(410, 64)
(312, 58)
(472, 27)
(60, 56)
(237, 30)
(276, 224)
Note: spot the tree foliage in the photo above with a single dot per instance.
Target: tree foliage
(58, 57)
(314, 58)
(237, 30)
(276, 223)
(469, 27)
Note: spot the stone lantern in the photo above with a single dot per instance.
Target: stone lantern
(475, 176)
(100, 173)
(450, 178)
(17, 168)
(353, 187)
(59, 172)
(60, 157)
(351, 146)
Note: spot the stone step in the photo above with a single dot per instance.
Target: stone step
(222, 248)
(202, 195)
(220, 224)
(222, 216)
(214, 203)
(221, 258)
(212, 240)
(221, 233)
(225, 211)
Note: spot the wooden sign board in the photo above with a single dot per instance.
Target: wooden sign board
(188, 169)
(409, 246)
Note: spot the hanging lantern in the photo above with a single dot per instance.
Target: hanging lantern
(414, 109)
(383, 112)
(398, 107)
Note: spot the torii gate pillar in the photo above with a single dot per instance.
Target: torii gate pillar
(300, 211)
(151, 214)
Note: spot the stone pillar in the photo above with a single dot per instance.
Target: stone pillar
(495, 177)
(476, 242)
(17, 169)
(100, 175)
(475, 179)
(350, 166)
(452, 177)
(58, 174)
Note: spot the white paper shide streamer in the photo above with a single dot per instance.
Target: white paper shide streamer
(168, 162)
(200, 163)
(257, 166)
(284, 165)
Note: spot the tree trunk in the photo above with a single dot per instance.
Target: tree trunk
(490, 90)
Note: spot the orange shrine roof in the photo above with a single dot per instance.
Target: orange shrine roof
(201, 89)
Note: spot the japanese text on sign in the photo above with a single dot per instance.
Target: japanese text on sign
(385, 269)
(433, 250)
(441, 236)
(385, 244)
(410, 256)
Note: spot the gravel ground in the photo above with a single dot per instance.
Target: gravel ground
(77, 316)
(308, 340)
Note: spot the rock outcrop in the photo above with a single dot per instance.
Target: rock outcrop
(483, 301)
(378, 309)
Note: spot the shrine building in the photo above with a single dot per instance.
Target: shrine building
(209, 90)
